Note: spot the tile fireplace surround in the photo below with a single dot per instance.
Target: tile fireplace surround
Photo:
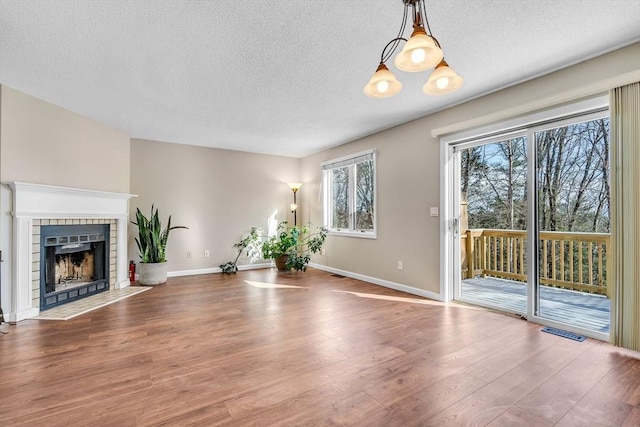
(35, 205)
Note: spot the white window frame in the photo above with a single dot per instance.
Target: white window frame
(351, 160)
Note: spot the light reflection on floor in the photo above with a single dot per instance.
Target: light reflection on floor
(264, 285)
(401, 299)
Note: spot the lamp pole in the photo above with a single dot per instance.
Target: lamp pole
(295, 211)
(294, 186)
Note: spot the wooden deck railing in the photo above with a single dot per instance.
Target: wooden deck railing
(569, 260)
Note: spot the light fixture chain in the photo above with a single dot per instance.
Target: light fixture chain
(426, 21)
(386, 57)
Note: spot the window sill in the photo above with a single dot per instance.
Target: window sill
(359, 234)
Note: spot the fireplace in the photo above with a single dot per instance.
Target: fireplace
(35, 207)
(75, 260)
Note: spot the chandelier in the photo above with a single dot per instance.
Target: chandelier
(421, 52)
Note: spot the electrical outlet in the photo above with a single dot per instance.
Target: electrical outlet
(188, 254)
(399, 265)
(206, 253)
(434, 211)
(323, 251)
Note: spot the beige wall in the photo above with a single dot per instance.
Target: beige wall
(218, 194)
(407, 179)
(46, 144)
(408, 172)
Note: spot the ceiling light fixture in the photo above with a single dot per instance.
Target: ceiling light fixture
(421, 52)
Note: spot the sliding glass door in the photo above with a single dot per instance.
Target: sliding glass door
(493, 223)
(531, 222)
(573, 227)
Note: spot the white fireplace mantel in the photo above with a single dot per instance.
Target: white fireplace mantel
(36, 201)
(49, 201)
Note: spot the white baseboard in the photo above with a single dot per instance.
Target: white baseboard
(256, 266)
(212, 270)
(22, 315)
(380, 282)
(123, 284)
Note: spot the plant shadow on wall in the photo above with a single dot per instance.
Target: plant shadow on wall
(290, 247)
(152, 246)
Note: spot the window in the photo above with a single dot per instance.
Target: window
(349, 196)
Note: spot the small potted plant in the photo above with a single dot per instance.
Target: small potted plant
(290, 248)
(152, 245)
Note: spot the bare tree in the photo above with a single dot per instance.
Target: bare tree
(364, 195)
(470, 165)
(601, 222)
(550, 160)
(340, 197)
(572, 177)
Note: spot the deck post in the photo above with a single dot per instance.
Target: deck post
(470, 254)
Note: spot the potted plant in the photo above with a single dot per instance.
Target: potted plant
(152, 245)
(290, 248)
(251, 244)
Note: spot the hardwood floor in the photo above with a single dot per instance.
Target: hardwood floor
(234, 351)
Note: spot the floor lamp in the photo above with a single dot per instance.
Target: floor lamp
(295, 186)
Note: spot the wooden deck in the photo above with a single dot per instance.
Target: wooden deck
(574, 308)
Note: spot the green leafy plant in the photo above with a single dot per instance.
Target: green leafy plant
(251, 244)
(152, 238)
(297, 243)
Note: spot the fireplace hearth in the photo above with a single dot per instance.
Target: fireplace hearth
(75, 260)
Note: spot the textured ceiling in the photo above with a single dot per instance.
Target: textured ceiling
(282, 77)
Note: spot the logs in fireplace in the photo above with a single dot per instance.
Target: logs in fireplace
(75, 260)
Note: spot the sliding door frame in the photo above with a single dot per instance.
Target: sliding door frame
(533, 233)
(456, 149)
(450, 198)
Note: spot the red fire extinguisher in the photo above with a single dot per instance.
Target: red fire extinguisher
(132, 271)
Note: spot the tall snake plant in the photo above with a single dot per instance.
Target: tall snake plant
(152, 241)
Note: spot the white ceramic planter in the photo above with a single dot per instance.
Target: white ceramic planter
(152, 273)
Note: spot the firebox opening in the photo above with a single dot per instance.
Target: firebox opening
(71, 270)
(75, 260)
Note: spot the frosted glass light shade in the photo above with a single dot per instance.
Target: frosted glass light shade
(419, 53)
(295, 186)
(443, 80)
(383, 83)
